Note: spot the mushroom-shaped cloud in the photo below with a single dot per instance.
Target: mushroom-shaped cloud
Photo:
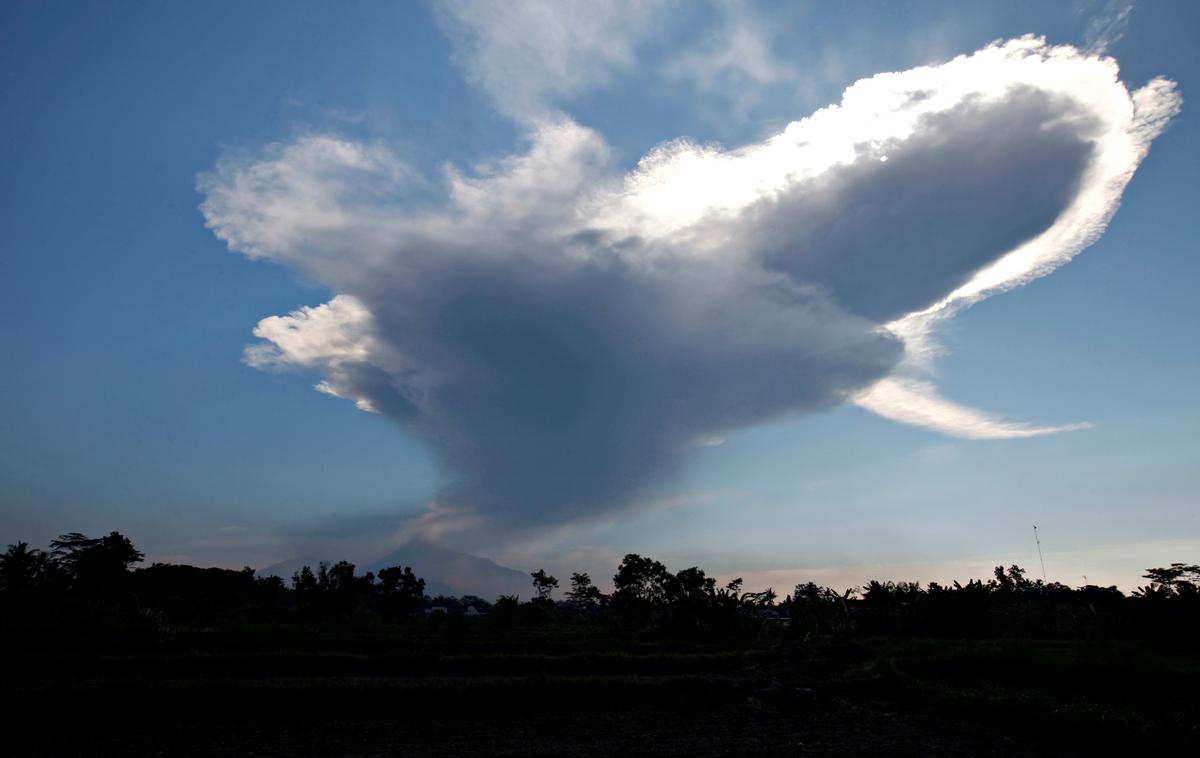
(560, 334)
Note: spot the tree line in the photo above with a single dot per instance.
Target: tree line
(82, 582)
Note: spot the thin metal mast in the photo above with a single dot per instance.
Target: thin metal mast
(1040, 558)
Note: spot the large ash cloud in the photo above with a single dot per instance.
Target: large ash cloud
(560, 334)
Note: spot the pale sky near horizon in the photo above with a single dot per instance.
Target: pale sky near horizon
(596, 286)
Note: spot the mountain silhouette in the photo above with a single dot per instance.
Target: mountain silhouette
(451, 572)
(445, 571)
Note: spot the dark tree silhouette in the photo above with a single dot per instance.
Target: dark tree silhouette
(304, 582)
(339, 577)
(99, 564)
(1013, 580)
(689, 587)
(764, 599)
(818, 610)
(46, 588)
(402, 590)
(584, 594)
(640, 580)
(543, 584)
(1178, 579)
(506, 610)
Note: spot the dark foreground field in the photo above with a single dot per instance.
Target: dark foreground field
(425, 690)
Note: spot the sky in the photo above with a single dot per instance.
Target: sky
(789, 291)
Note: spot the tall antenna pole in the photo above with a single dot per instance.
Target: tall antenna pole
(1040, 558)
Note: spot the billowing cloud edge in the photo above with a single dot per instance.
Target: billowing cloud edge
(907, 396)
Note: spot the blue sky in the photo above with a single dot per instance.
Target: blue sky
(127, 402)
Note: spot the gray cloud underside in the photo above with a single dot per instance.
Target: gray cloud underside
(563, 391)
(892, 237)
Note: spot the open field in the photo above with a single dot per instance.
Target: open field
(430, 690)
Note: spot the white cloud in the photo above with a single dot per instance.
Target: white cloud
(561, 334)
(320, 337)
(301, 195)
(736, 60)
(529, 56)
(334, 338)
(916, 402)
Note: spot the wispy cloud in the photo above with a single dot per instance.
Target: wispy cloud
(735, 60)
(916, 402)
(531, 57)
(1108, 25)
(562, 334)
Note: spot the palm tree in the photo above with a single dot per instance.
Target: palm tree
(20, 567)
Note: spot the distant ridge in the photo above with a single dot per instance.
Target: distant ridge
(445, 571)
(285, 569)
(450, 572)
